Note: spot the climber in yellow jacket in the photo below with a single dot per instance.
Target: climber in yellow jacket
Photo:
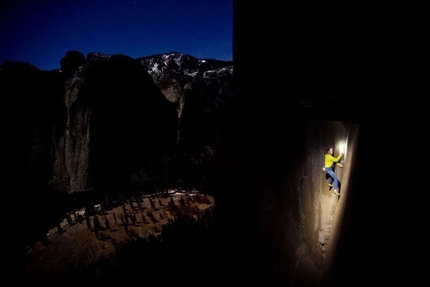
(330, 163)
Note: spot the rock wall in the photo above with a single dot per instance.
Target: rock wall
(71, 160)
(297, 218)
(332, 77)
(115, 122)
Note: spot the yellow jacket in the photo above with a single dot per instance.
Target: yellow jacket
(330, 160)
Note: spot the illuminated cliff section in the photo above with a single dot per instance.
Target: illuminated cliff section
(298, 220)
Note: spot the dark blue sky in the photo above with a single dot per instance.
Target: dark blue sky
(40, 32)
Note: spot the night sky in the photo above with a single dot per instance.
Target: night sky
(40, 32)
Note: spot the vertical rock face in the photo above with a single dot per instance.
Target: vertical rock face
(71, 134)
(116, 120)
(301, 225)
(292, 215)
(201, 90)
(109, 120)
(71, 162)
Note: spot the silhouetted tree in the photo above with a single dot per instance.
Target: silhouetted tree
(88, 221)
(107, 224)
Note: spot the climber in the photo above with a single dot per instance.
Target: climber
(329, 166)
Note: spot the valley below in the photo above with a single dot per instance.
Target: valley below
(97, 244)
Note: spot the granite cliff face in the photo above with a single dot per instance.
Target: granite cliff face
(200, 89)
(116, 121)
(109, 121)
(172, 71)
(125, 116)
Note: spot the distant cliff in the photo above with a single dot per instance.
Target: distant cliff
(112, 122)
